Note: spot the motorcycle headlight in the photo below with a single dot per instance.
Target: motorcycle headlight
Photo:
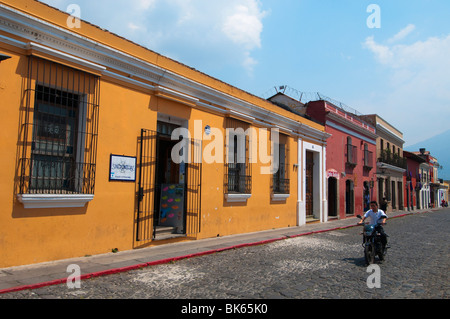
(368, 229)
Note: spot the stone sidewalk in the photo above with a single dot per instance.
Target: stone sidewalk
(52, 273)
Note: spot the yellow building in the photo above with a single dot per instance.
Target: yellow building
(89, 161)
(391, 165)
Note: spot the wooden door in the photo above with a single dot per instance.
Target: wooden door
(309, 184)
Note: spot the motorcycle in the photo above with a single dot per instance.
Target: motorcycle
(372, 243)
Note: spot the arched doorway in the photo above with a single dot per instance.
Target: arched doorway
(309, 200)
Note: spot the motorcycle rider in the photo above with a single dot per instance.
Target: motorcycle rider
(375, 215)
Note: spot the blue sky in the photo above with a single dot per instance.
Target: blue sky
(399, 71)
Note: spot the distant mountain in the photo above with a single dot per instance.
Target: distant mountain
(439, 147)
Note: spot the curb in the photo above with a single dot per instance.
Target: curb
(169, 260)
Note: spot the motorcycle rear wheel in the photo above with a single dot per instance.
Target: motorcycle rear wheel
(382, 253)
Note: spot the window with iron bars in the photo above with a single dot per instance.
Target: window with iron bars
(280, 180)
(59, 129)
(238, 174)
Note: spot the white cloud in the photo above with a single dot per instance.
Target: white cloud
(200, 33)
(426, 59)
(134, 27)
(382, 53)
(403, 33)
(418, 82)
(204, 34)
(144, 4)
(249, 63)
(244, 26)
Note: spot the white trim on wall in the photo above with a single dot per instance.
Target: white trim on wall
(53, 200)
(320, 201)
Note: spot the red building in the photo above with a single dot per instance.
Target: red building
(350, 159)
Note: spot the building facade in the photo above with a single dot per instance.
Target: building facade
(445, 195)
(391, 165)
(434, 188)
(413, 181)
(425, 177)
(351, 150)
(315, 196)
(109, 145)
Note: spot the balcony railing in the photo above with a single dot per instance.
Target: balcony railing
(386, 156)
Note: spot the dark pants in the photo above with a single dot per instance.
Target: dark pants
(383, 236)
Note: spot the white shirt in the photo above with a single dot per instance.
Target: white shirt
(374, 217)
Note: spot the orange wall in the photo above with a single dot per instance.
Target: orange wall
(37, 235)
(107, 222)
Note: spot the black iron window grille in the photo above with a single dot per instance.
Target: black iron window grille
(59, 129)
(280, 180)
(238, 174)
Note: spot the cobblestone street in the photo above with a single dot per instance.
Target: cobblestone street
(325, 265)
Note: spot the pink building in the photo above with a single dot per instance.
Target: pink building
(350, 159)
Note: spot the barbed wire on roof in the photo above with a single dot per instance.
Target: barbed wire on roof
(305, 97)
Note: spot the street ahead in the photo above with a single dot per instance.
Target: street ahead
(325, 265)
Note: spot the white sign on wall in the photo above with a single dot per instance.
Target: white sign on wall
(122, 168)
